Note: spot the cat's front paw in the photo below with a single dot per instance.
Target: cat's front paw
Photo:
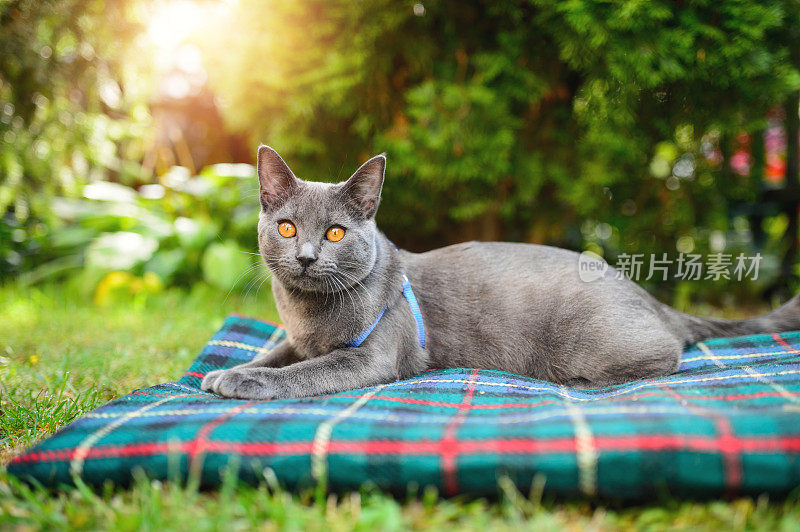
(207, 384)
(245, 383)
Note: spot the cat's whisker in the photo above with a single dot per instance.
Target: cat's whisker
(327, 290)
(249, 287)
(349, 291)
(356, 283)
(375, 275)
(338, 293)
(332, 290)
(263, 280)
(343, 291)
(263, 275)
(250, 269)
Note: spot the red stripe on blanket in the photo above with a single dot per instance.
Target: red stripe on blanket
(200, 442)
(731, 459)
(448, 445)
(727, 444)
(778, 338)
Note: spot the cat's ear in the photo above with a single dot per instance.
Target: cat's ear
(363, 189)
(276, 182)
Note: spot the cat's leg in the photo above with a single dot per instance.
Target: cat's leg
(339, 370)
(281, 355)
(658, 365)
(620, 341)
(621, 358)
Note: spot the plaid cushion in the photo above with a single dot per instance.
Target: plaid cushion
(728, 422)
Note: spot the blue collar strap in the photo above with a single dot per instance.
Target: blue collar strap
(408, 293)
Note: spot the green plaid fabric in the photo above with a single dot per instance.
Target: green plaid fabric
(727, 423)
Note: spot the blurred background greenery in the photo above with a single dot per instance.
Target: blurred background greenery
(129, 130)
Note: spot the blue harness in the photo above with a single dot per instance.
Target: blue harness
(408, 293)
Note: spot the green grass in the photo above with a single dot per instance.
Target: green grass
(61, 356)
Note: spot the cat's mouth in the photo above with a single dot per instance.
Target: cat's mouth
(311, 279)
(305, 278)
(320, 276)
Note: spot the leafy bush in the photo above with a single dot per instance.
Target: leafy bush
(70, 113)
(535, 121)
(608, 126)
(179, 231)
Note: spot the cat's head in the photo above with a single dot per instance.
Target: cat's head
(314, 236)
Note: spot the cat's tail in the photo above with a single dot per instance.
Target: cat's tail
(696, 328)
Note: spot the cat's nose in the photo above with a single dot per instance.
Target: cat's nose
(307, 255)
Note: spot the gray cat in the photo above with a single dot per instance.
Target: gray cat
(359, 312)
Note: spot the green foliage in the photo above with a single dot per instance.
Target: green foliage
(71, 112)
(41, 390)
(607, 126)
(521, 120)
(183, 230)
(223, 264)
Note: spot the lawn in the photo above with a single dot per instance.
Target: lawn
(61, 356)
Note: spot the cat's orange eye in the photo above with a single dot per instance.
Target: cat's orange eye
(287, 229)
(335, 233)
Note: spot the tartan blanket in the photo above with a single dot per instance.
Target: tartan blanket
(727, 423)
